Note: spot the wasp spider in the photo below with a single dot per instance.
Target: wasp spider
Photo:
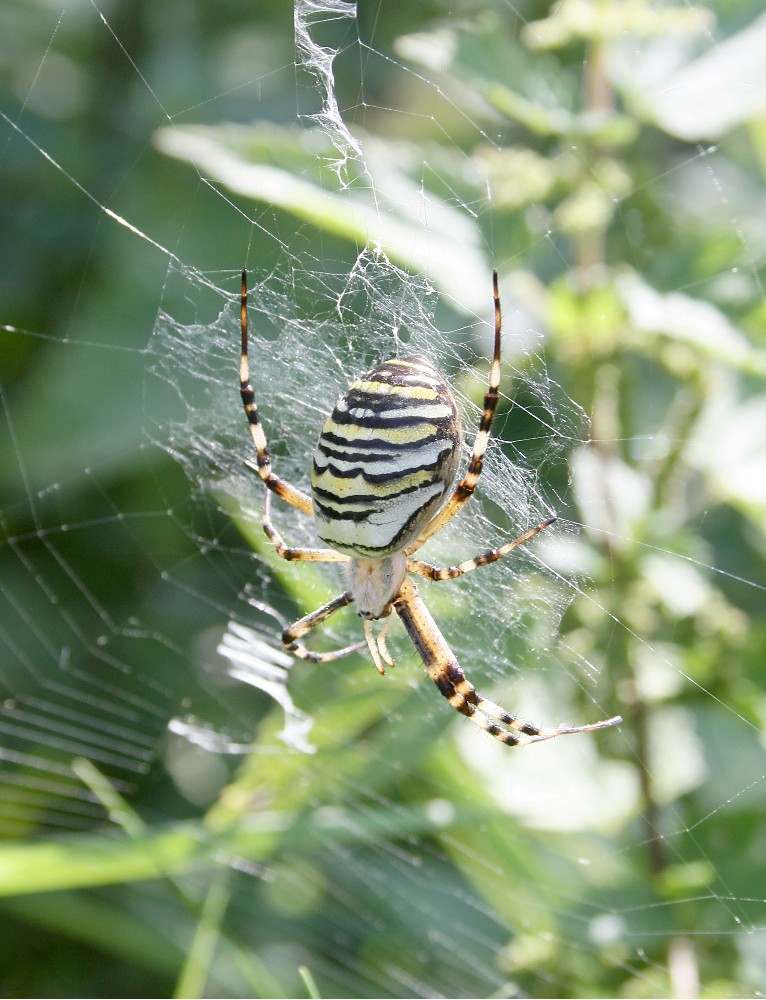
(386, 459)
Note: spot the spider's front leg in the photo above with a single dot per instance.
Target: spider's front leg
(448, 676)
(291, 636)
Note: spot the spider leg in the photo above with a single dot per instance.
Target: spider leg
(291, 636)
(448, 676)
(451, 572)
(464, 490)
(295, 555)
(535, 733)
(290, 494)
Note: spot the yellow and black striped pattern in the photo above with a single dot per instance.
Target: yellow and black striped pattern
(385, 461)
(447, 674)
(386, 458)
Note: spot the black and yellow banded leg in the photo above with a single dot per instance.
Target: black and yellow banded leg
(290, 494)
(464, 490)
(448, 676)
(291, 636)
(296, 555)
(451, 572)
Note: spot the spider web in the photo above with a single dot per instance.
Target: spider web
(218, 817)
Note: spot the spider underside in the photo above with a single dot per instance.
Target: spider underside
(384, 465)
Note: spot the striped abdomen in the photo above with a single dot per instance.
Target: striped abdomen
(385, 460)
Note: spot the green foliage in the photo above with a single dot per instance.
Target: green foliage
(393, 861)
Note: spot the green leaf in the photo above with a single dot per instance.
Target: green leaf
(694, 323)
(287, 168)
(704, 99)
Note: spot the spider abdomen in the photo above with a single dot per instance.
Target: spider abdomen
(386, 458)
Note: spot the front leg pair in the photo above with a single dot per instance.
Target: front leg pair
(446, 673)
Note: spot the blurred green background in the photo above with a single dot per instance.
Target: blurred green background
(609, 159)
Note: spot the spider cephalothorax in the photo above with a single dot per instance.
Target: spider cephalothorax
(384, 465)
